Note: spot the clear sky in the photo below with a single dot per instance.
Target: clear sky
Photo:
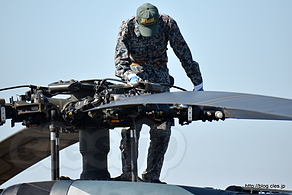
(242, 46)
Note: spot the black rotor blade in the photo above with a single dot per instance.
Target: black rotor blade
(235, 105)
(27, 147)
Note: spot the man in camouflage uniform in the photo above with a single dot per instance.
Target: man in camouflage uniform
(141, 55)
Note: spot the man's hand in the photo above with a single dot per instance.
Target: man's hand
(134, 80)
(198, 87)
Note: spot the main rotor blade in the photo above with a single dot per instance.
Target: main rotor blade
(235, 105)
(27, 147)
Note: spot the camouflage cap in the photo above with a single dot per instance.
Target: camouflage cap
(147, 18)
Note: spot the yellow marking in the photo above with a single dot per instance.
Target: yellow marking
(40, 107)
(147, 21)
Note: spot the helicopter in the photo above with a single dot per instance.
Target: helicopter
(98, 105)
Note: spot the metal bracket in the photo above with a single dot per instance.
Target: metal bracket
(3, 115)
(2, 112)
(190, 113)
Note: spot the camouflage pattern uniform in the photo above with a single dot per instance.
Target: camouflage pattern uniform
(159, 139)
(149, 57)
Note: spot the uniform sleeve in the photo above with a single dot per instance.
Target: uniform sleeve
(182, 51)
(122, 58)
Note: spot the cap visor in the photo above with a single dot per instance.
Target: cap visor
(149, 30)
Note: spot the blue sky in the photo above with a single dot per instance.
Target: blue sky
(242, 46)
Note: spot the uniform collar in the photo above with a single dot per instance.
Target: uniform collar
(137, 31)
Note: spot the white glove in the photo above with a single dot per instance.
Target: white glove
(198, 87)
